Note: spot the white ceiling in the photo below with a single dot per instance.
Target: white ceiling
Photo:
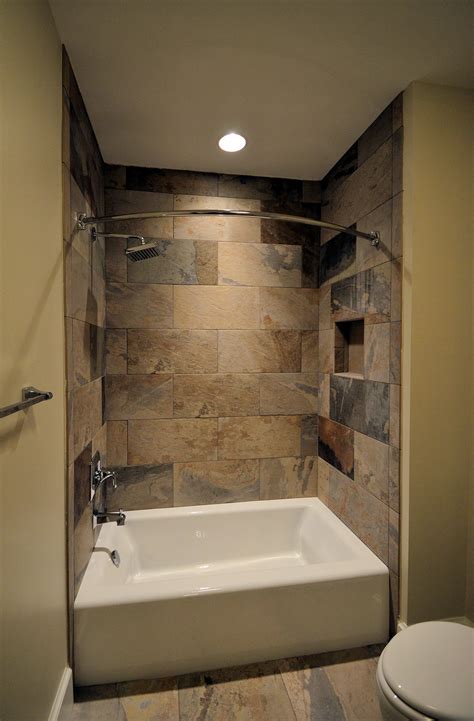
(300, 79)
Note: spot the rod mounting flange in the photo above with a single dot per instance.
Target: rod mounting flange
(375, 238)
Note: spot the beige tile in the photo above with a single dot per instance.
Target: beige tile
(117, 443)
(215, 482)
(138, 305)
(377, 352)
(289, 308)
(172, 351)
(239, 230)
(116, 351)
(395, 416)
(259, 437)
(239, 694)
(259, 351)
(216, 395)
(288, 393)
(354, 682)
(259, 264)
(380, 219)
(137, 396)
(172, 441)
(325, 322)
(326, 351)
(123, 202)
(371, 465)
(211, 307)
(310, 351)
(323, 481)
(288, 477)
(155, 700)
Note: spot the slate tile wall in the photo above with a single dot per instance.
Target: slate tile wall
(359, 441)
(84, 264)
(211, 392)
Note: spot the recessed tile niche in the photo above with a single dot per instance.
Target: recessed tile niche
(349, 347)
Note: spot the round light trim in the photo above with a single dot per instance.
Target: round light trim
(232, 142)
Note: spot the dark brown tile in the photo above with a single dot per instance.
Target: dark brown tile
(309, 435)
(216, 482)
(375, 135)
(171, 181)
(138, 396)
(248, 186)
(139, 305)
(141, 487)
(116, 351)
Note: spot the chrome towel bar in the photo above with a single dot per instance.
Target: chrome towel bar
(29, 397)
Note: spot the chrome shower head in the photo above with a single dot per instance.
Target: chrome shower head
(144, 250)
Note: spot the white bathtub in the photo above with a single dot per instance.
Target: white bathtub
(206, 587)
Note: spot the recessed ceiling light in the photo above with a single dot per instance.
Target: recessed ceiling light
(232, 142)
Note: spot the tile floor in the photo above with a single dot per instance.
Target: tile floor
(338, 686)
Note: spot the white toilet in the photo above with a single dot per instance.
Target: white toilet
(426, 673)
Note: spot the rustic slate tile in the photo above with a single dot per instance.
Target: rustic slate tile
(311, 693)
(376, 293)
(347, 299)
(82, 481)
(337, 258)
(116, 260)
(371, 460)
(238, 230)
(172, 351)
(288, 393)
(380, 219)
(394, 478)
(99, 703)
(87, 414)
(99, 443)
(172, 441)
(123, 202)
(347, 402)
(83, 546)
(216, 307)
(326, 351)
(171, 181)
(324, 394)
(342, 170)
(289, 308)
(259, 437)
(180, 262)
(97, 351)
(117, 433)
(397, 225)
(216, 395)
(258, 264)
(377, 410)
(259, 351)
(336, 445)
(288, 233)
(309, 435)
(364, 190)
(141, 487)
(116, 351)
(394, 522)
(323, 481)
(354, 682)
(216, 482)
(288, 477)
(138, 396)
(377, 345)
(312, 191)
(396, 289)
(325, 308)
(155, 700)
(249, 186)
(375, 135)
(397, 177)
(394, 601)
(360, 510)
(395, 353)
(138, 305)
(310, 351)
(81, 352)
(397, 112)
(114, 176)
(395, 416)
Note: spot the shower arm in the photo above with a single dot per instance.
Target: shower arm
(84, 220)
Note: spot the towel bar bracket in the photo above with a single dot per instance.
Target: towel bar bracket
(30, 396)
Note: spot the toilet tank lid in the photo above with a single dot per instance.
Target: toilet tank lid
(430, 666)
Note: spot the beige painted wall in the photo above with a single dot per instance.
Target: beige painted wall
(437, 351)
(32, 445)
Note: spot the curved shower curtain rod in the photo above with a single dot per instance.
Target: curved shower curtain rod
(84, 221)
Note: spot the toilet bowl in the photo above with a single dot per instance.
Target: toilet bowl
(426, 673)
